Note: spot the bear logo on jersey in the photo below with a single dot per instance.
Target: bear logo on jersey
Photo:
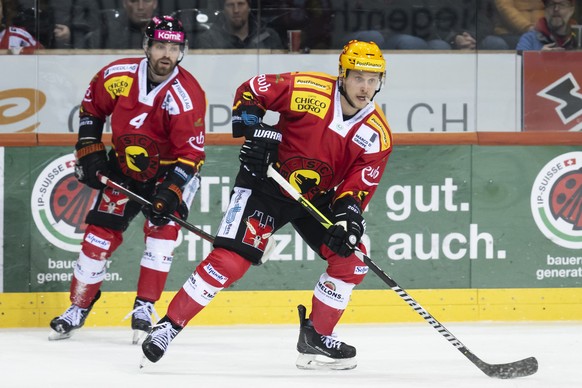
(307, 175)
(138, 156)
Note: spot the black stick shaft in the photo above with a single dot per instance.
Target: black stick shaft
(142, 201)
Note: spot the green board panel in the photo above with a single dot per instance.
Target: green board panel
(442, 217)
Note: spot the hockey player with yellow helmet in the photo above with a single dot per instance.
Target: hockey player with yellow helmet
(332, 143)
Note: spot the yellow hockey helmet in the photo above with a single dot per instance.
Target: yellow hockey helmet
(362, 56)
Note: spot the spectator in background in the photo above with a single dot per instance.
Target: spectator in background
(553, 32)
(47, 20)
(466, 25)
(319, 29)
(127, 31)
(315, 19)
(16, 39)
(61, 30)
(515, 17)
(81, 17)
(394, 24)
(237, 28)
(36, 17)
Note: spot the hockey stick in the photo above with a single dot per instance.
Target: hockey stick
(142, 201)
(521, 368)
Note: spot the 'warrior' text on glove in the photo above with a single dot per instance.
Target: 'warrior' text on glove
(260, 149)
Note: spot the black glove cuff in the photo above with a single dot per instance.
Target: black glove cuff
(346, 205)
(180, 175)
(90, 127)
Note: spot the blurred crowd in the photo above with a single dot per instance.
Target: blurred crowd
(324, 24)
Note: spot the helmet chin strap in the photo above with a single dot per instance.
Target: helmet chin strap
(343, 93)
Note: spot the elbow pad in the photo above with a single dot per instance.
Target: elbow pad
(246, 114)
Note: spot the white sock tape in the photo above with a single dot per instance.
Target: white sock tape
(89, 271)
(199, 290)
(158, 254)
(333, 292)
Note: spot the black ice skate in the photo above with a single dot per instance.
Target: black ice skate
(141, 319)
(318, 351)
(71, 320)
(156, 343)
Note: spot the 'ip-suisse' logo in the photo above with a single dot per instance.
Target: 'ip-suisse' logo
(59, 204)
(556, 200)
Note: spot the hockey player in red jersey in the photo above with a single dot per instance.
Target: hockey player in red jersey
(16, 39)
(157, 114)
(332, 143)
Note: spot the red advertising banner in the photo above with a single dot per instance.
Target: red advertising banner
(552, 100)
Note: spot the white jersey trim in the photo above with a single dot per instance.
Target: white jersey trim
(338, 125)
(144, 97)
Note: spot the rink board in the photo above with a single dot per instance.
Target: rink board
(279, 307)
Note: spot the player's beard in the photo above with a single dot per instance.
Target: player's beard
(162, 67)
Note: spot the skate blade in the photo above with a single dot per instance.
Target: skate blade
(318, 362)
(138, 337)
(56, 336)
(144, 362)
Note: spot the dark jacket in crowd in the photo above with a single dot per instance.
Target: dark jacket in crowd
(453, 17)
(218, 37)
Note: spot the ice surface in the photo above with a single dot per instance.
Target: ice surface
(389, 355)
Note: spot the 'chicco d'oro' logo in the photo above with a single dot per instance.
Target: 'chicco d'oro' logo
(556, 200)
(59, 204)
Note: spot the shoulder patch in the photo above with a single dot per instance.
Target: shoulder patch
(320, 75)
(183, 96)
(307, 82)
(118, 86)
(128, 68)
(170, 104)
(376, 123)
(310, 102)
(368, 139)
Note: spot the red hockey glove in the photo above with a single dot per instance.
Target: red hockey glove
(91, 158)
(349, 226)
(260, 149)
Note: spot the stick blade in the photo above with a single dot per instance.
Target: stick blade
(526, 367)
(521, 368)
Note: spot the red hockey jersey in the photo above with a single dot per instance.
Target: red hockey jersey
(320, 150)
(152, 129)
(18, 38)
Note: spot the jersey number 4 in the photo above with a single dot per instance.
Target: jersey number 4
(137, 121)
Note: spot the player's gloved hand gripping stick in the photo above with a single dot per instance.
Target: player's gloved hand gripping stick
(521, 368)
